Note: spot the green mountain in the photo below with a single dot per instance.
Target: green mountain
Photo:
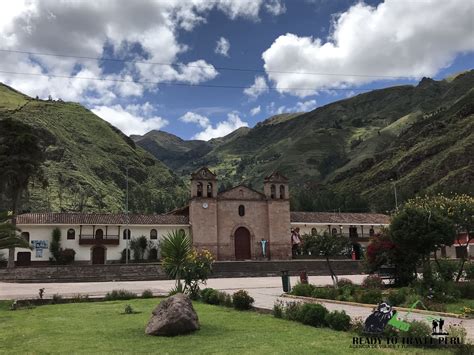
(87, 159)
(420, 136)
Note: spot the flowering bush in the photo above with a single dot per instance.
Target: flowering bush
(196, 270)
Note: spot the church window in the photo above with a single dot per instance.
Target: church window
(209, 190)
(241, 210)
(71, 234)
(153, 234)
(199, 189)
(126, 234)
(282, 191)
(272, 191)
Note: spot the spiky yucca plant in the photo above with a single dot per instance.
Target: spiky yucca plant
(175, 249)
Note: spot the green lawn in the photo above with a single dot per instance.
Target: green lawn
(101, 328)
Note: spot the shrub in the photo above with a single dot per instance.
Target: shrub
(205, 293)
(469, 271)
(66, 256)
(371, 296)
(418, 329)
(345, 293)
(338, 320)
(278, 309)
(212, 297)
(57, 298)
(357, 325)
(445, 291)
(396, 297)
(344, 282)
(302, 290)
(120, 295)
(447, 270)
(77, 298)
(372, 281)
(3, 260)
(457, 331)
(128, 309)
(328, 293)
(147, 294)
(123, 255)
(313, 314)
(293, 311)
(242, 300)
(435, 306)
(225, 299)
(466, 289)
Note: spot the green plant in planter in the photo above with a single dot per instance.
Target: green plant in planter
(302, 290)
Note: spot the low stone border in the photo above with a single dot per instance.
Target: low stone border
(372, 306)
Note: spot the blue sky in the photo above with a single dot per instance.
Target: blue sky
(361, 45)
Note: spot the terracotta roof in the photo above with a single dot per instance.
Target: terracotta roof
(99, 218)
(335, 218)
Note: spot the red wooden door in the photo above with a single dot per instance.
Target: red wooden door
(98, 255)
(242, 244)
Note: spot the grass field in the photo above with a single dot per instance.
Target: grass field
(101, 327)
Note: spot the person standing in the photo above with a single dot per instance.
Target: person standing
(295, 241)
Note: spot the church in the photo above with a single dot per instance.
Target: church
(237, 224)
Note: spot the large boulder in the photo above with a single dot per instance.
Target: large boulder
(173, 316)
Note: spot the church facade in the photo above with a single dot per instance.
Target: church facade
(237, 224)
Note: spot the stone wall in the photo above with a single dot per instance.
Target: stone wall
(136, 272)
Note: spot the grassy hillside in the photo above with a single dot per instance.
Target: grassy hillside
(420, 136)
(87, 159)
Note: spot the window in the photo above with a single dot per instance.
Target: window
(181, 231)
(241, 210)
(26, 236)
(209, 190)
(353, 232)
(334, 231)
(153, 234)
(126, 234)
(371, 231)
(199, 189)
(71, 234)
(272, 191)
(282, 191)
(314, 231)
(99, 234)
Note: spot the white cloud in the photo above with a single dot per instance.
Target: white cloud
(258, 87)
(191, 117)
(84, 28)
(221, 128)
(255, 110)
(300, 106)
(397, 38)
(222, 47)
(134, 119)
(275, 7)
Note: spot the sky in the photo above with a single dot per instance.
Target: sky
(202, 68)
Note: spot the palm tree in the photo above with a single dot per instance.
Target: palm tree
(9, 238)
(175, 248)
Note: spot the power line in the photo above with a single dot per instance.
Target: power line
(105, 59)
(174, 83)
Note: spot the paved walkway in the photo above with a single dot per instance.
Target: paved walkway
(265, 291)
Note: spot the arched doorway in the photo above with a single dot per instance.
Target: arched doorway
(98, 255)
(242, 244)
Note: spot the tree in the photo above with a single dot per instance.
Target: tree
(175, 249)
(459, 209)
(21, 156)
(9, 237)
(55, 246)
(329, 246)
(418, 232)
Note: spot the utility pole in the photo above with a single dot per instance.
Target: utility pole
(395, 193)
(127, 233)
